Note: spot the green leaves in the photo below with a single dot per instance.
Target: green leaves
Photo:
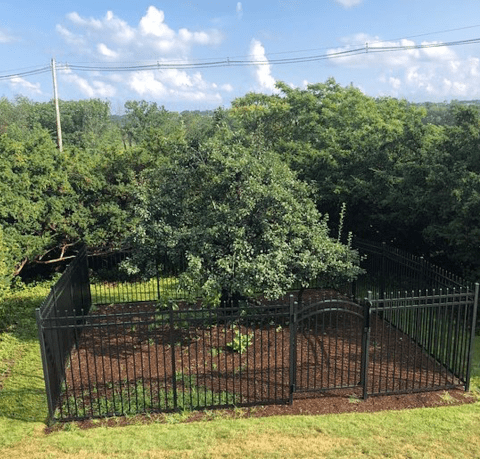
(243, 219)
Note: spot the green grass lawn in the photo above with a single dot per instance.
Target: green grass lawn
(124, 292)
(443, 432)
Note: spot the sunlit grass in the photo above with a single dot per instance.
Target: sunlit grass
(132, 292)
(446, 432)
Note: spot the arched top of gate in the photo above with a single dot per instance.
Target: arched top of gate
(331, 305)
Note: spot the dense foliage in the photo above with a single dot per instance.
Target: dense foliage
(242, 219)
(271, 169)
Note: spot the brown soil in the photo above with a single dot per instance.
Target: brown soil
(124, 350)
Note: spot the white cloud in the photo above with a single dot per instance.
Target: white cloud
(349, 3)
(110, 38)
(430, 72)
(378, 54)
(145, 84)
(263, 69)
(173, 84)
(239, 10)
(89, 23)
(151, 38)
(91, 89)
(153, 24)
(5, 37)
(69, 37)
(437, 53)
(33, 88)
(395, 83)
(104, 50)
(473, 66)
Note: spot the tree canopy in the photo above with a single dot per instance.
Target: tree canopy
(242, 219)
(408, 174)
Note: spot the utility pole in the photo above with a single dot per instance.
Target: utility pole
(57, 109)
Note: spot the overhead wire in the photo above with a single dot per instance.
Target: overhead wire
(230, 62)
(227, 62)
(36, 71)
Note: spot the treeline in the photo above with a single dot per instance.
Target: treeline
(408, 174)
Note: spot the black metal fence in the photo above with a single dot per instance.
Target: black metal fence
(433, 332)
(111, 282)
(69, 297)
(391, 270)
(387, 269)
(135, 352)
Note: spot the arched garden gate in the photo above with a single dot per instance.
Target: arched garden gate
(403, 343)
(329, 346)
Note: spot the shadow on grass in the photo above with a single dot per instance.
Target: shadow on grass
(24, 404)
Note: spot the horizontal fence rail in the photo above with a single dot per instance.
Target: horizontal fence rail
(120, 345)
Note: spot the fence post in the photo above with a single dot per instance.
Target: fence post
(172, 347)
(472, 339)
(365, 345)
(382, 276)
(86, 293)
(158, 278)
(46, 373)
(293, 348)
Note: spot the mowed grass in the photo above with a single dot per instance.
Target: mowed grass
(443, 432)
(124, 292)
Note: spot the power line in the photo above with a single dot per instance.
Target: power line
(229, 62)
(36, 71)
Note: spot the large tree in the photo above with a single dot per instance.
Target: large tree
(242, 220)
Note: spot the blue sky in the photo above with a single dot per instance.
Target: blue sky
(176, 33)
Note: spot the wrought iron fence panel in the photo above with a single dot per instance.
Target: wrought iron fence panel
(142, 347)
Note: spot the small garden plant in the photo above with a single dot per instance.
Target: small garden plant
(240, 341)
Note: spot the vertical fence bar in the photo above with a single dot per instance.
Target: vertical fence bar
(472, 338)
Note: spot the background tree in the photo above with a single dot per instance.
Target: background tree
(141, 118)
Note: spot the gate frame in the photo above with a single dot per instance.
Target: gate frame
(365, 340)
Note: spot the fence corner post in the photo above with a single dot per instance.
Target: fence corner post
(173, 362)
(472, 339)
(293, 348)
(365, 345)
(46, 374)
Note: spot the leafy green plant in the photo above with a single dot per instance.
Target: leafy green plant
(447, 398)
(215, 351)
(240, 341)
(354, 399)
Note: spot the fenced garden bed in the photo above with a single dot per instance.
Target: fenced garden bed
(147, 355)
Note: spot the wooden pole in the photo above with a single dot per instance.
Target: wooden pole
(57, 109)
